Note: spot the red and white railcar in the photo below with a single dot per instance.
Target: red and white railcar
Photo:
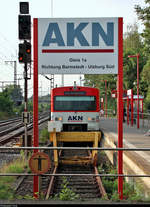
(76, 107)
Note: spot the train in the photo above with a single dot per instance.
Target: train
(76, 107)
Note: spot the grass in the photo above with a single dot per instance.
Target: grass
(66, 194)
(6, 189)
(44, 136)
(111, 184)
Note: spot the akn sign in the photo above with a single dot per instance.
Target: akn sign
(77, 46)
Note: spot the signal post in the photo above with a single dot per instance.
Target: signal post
(24, 55)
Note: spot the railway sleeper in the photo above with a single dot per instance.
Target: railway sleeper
(78, 182)
(79, 191)
(78, 187)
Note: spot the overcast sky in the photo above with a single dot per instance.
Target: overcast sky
(53, 8)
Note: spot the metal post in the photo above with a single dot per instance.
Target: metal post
(128, 110)
(52, 81)
(106, 98)
(35, 102)
(132, 107)
(120, 106)
(25, 103)
(138, 91)
(15, 73)
(142, 115)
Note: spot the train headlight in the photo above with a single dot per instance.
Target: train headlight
(58, 119)
(91, 119)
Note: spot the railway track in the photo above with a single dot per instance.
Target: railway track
(4, 126)
(15, 131)
(10, 137)
(84, 187)
(9, 121)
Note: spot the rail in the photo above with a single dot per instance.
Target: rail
(62, 174)
(75, 148)
(17, 131)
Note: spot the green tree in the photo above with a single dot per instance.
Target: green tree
(144, 16)
(132, 38)
(133, 45)
(10, 97)
(6, 104)
(145, 84)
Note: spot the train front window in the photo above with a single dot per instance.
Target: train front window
(74, 103)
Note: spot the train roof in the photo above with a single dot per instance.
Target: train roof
(78, 87)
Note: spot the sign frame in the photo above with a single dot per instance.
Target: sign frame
(81, 52)
(119, 102)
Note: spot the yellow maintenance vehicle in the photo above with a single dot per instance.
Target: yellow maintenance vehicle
(57, 136)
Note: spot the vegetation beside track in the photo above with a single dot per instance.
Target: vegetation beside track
(44, 136)
(66, 193)
(130, 193)
(11, 103)
(110, 183)
(6, 182)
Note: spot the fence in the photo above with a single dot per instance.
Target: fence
(74, 148)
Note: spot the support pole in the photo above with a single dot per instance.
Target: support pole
(127, 110)
(15, 73)
(132, 107)
(25, 104)
(120, 106)
(138, 124)
(35, 102)
(106, 98)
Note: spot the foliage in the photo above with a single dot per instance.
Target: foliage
(27, 197)
(29, 107)
(147, 100)
(144, 16)
(145, 82)
(6, 189)
(111, 184)
(44, 136)
(10, 99)
(6, 104)
(133, 44)
(132, 39)
(11, 102)
(66, 193)
(6, 192)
